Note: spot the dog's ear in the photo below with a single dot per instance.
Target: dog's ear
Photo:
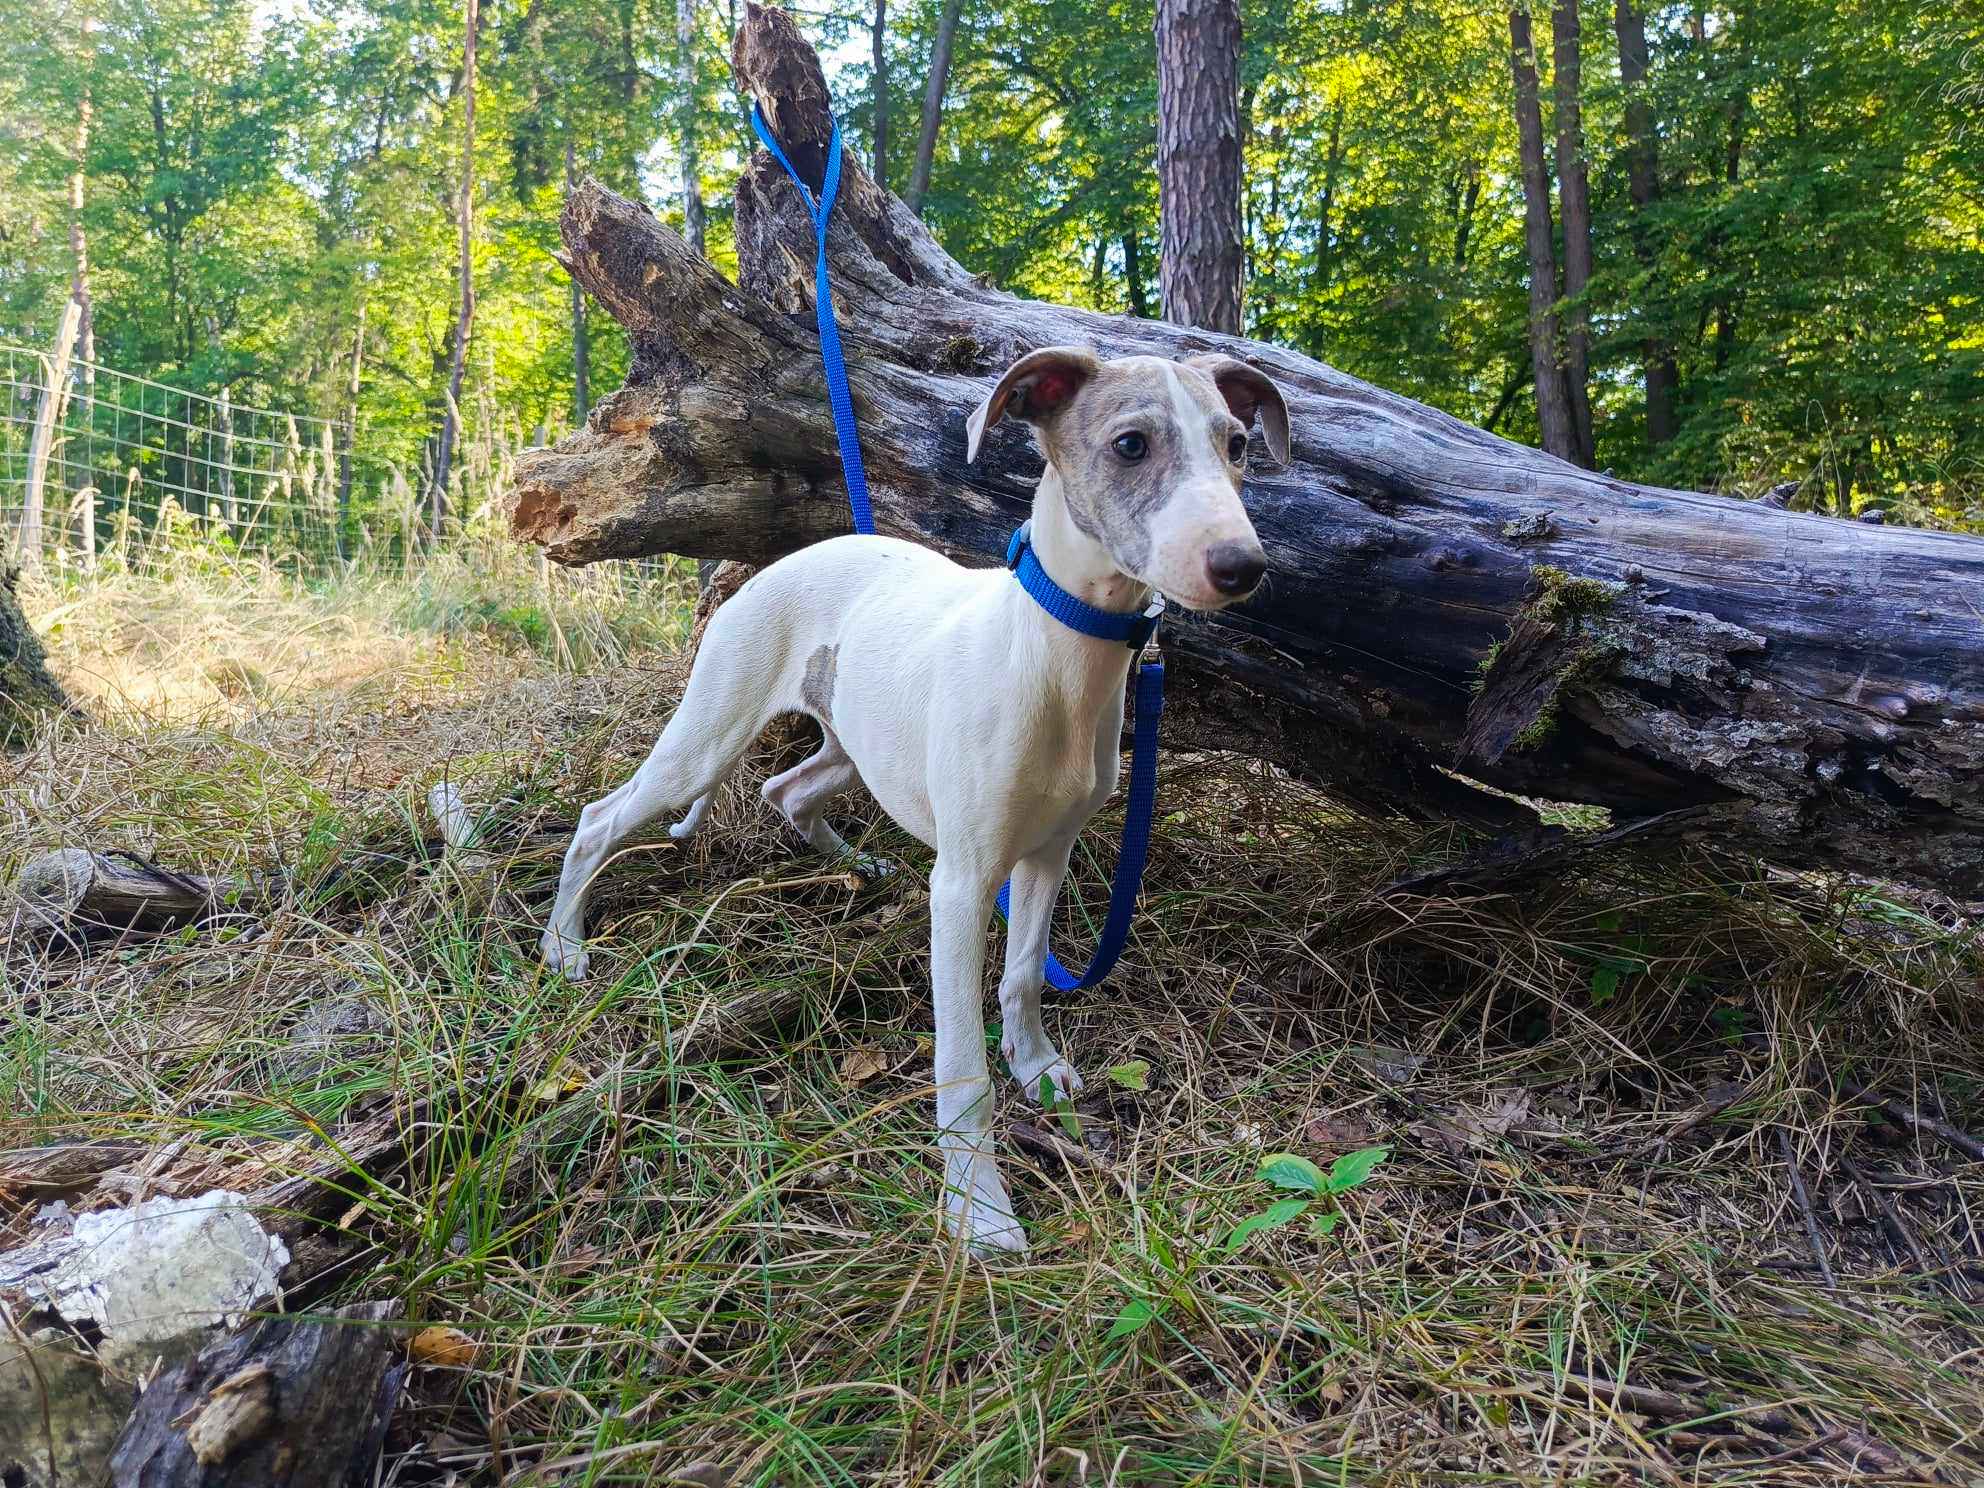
(1249, 394)
(1034, 387)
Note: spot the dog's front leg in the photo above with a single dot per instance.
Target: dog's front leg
(975, 1195)
(1030, 1054)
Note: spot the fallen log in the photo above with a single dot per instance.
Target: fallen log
(73, 888)
(285, 1404)
(1444, 607)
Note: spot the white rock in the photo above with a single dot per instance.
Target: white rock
(155, 1271)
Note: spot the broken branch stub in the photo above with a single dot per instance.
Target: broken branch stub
(1644, 650)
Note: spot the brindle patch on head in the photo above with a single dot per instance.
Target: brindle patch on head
(1177, 410)
(816, 688)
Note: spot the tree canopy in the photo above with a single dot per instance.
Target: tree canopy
(265, 184)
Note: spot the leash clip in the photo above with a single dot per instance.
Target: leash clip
(1021, 540)
(1148, 650)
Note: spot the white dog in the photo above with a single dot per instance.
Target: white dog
(981, 723)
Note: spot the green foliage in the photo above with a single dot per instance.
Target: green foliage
(1134, 1075)
(260, 181)
(1290, 1170)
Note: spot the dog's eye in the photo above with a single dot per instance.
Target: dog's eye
(1132, 447)
(1236, 448)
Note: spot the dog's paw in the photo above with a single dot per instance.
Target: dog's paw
(978, 1208)
(1048, 1073)
(873, 872)
(563, 955)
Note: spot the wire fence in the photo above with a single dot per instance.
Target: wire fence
(95, 460)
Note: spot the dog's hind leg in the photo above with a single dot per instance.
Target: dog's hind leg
(801, 795)
(699, 812)
(702, 744)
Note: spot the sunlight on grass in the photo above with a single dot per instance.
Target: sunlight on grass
(734, 1258)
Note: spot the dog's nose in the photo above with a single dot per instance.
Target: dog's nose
(1235, 568)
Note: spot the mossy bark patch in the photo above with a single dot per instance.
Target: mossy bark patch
(1547, 655)
(28, 693)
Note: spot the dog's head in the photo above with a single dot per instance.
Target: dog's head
(1150, 454)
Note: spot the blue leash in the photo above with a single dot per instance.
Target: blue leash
(1134, 631)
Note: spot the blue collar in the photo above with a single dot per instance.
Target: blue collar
(1134, 631)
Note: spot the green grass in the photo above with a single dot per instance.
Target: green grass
(736, 1259)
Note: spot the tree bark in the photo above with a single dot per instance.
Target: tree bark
(581, 333)
(465, 313)
(1469, 201)
(1553, 404)
(879, 90)
(685, 85)
(1442, 600)
(1574, 188)
(79, 250)
(1332, 163)
(1201, 262)
(350, 435)
(42, 438)
(1136, 301)
(73, 889)
(1661, 376)
(28, 693)
(933, 105)
(283, 1404)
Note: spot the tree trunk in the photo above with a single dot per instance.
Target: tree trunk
(43, 437)
(465, 314)
(692, 166)
(1135, 299)
(350, 436)
(1574, 187)
(1442, 601)
(879, 90)
(1200, 259)
(581, 334)
(79, 252)
(933, 105)
(1553, 404)
(1332, 163)
(1643, 185)
(1470, 200)
(1732, 169)
(27, 692)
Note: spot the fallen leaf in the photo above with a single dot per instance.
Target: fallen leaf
(1339, 1133)
(442, 1347)
(1386, 1065)
(1506, 1110)
(1132, 1076)
(862, 1065)
(555, 1088)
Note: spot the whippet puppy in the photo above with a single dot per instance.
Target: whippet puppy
(980, 722)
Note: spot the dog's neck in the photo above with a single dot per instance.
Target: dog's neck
(1076, 561)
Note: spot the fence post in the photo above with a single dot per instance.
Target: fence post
(42, 442)
(83, 510)
(229, 511)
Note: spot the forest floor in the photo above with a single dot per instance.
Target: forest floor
(685, 1213)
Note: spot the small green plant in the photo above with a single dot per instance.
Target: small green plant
(1290, 1170)
(1063, 1109)
(1612, 965)
(1284, 1170)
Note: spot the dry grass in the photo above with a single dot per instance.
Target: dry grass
(187, 629)
(737, 1262)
